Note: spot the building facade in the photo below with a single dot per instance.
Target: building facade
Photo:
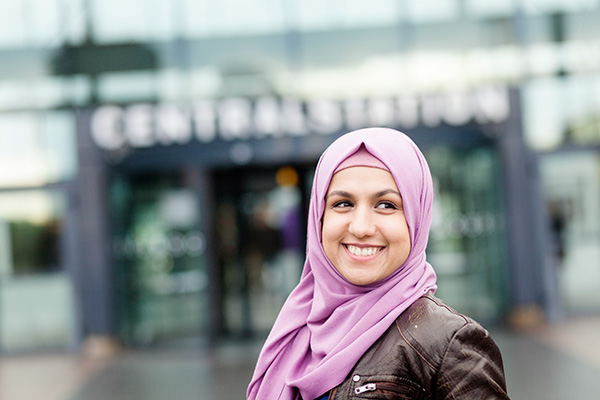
(159, 156)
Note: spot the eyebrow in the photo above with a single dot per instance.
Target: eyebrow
(382, 193)
(386, 192)
(340, 193)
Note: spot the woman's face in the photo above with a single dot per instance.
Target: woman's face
(365, 234)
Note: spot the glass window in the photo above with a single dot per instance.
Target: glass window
(160, 256)
(426, 74)
(42, 92)
(13, 94)
(127, 86)
(486, 8)
(580, 56)
(36, 294)
(502, 63)
(559, 110)
(43, 22)
(315, 14)
(466, 245)
(260, 230)
(432, 10)
(582, 104)
(204, 82)
(43, 151)
(142, 20)
(360, 13)
(543, 59)
(30, 227)
(558, 5)
(137, 20)
(13, 28)
(77, 90)
(571, 183)
(227, 17)
(73, 21)
(172, 84)
(543, 113)
(584, 26)
(312, 15)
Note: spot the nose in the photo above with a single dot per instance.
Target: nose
(362, 223)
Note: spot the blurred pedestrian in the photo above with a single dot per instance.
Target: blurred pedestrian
(363, 322)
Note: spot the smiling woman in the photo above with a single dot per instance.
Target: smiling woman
(365, 235)
(363, 321)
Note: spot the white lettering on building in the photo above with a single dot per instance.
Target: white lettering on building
(106, 128)
(205, 118)
(140, 130)
(173, 125)
(268, 118)
(235, 118)
(238, 119)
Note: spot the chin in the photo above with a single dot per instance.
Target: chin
(360, 280)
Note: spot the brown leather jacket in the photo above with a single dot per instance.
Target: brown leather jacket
(430, 352)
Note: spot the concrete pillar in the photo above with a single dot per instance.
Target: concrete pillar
(93, 272)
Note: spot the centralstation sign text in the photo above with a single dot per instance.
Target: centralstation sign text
(146, 125)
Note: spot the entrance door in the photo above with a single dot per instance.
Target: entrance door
(260, 235)
(466, 246)
(160, 250)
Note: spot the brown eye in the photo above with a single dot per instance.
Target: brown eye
(342, 204)
(386, 205)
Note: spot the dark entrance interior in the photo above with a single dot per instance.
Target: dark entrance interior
(260, 242)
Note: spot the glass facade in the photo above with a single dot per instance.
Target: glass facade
(467, 246)
(38, 161)
(254, 80)
(36, 291)
(571, 181)
(37, 149)
(260, 230)
(160, 263)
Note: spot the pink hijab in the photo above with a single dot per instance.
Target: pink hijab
(328, 323)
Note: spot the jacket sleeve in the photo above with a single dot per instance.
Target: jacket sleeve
(472, 367)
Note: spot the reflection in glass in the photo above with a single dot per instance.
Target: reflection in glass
(160, 258)
(466, 245)
(36, 299)
(571, 183)
(260, 225)
(43, 151)
(31, 224)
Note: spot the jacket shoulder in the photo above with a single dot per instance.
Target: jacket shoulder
(430, 312)
(429, 325)
(416, 355)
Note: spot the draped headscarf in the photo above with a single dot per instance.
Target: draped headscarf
(328, 323)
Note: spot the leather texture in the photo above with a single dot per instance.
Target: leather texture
(430, 352)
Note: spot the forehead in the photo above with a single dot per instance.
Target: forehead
(359, 179)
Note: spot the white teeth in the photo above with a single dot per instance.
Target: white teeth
(362, 251)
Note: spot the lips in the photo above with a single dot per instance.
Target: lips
(363, 251)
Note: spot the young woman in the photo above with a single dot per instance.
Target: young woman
(363, 321)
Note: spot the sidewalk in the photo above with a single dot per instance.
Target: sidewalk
(45, 377)
(557, 362)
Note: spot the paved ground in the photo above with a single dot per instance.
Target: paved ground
(561, 362)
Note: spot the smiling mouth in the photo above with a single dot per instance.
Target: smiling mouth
(363, 251)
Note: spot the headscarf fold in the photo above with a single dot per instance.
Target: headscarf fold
(328, 323)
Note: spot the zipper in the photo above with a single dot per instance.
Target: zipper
(369, 387)
(385, 386)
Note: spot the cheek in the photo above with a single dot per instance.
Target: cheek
(328, 228)
(399, 233)
(331, 231)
